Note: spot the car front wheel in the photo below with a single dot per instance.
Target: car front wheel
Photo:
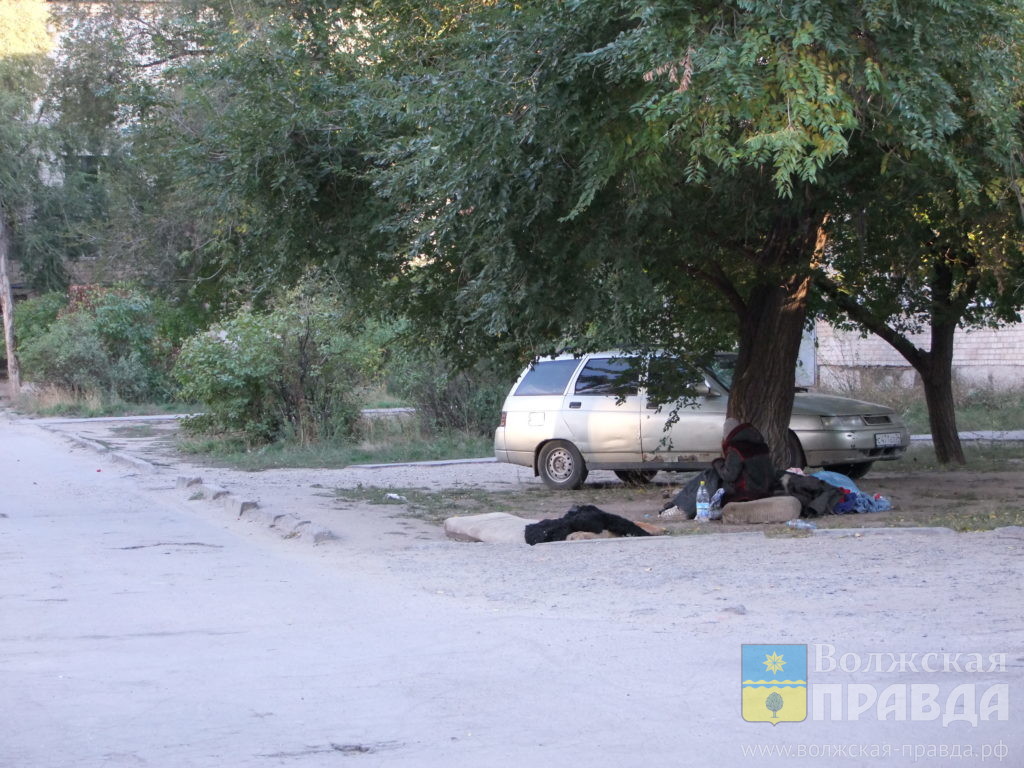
(561, 466)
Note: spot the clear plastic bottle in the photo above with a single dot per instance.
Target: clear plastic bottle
(703, 504)
(801, 525)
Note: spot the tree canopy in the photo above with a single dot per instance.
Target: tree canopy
(610, 161)
(517, 178)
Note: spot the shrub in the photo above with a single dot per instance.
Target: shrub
(297, 371)
(69, 354)
(449, 400)
(34, 316)
(105, 342)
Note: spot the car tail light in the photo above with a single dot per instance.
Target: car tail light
(504, 418)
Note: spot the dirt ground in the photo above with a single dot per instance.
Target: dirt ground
(961, 499)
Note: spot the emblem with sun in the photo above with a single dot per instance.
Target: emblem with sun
(774, 662)
(774, 683)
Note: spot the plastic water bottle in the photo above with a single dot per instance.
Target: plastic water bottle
(801, 525)
(703, 504)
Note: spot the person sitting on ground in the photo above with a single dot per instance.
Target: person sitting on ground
(746, 465)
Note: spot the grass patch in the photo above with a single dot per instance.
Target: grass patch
(435, 506)
(976, 409)
(961, 517)
(231, 452)
(57, 401)
(981, 456)
(381, 398)
(948, 506)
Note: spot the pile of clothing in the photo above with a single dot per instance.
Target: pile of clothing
(853, 499)
(745, 473)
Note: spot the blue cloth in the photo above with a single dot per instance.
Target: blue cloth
(847, 505)
(877, 503)
(838, 480)
(855, 500)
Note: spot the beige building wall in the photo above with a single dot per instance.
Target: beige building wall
(987, 358)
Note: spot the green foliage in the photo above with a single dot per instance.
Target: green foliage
(294, 371)
(107, 342)
(650, 168)
(24, 139)
(448, 399)
(34, 316)
(520, 178)
(69, 354)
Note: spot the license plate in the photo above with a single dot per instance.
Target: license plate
(887, 439)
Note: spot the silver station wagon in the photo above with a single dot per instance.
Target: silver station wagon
(568, 415)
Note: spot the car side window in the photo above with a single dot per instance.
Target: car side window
(608, 376)
(669, 379)
(547, 378)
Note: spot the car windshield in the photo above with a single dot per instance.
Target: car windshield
(722, 369)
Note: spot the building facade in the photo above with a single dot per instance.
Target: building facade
(983, 359)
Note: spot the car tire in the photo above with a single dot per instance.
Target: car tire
(561, 466)
(794, 451)
(636, 476)
(852, 471)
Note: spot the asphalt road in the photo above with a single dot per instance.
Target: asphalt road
(135, 631)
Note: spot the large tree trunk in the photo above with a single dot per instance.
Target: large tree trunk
(7, 308)
(937, 380)
(771, 327)
(763, 388)
(934, 366)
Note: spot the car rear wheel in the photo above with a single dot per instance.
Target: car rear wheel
(636, 476)
(852, 471)
(794, 451)
(561, 466)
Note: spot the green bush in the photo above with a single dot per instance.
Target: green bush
(34, 316)
(297, 371)
(70, 355)
(449, 400)
(105, 343)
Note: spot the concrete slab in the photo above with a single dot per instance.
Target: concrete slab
(490, 528)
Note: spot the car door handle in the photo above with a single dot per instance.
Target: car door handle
(576, 404)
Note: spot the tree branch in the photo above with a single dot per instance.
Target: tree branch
(917, 357)
(717, 278)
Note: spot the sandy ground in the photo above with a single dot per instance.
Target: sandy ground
(876, 592)
(354, 501)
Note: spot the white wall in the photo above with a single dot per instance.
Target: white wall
(984, 358)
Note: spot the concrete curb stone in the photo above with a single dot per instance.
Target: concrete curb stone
(857, 532)
(286, 525)
(292, 527)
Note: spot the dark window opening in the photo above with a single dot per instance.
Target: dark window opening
(547, 378)
(617, 376)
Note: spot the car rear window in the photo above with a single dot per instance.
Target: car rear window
(547, 378)
(608, 376)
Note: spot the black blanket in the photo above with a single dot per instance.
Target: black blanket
(582, 517)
